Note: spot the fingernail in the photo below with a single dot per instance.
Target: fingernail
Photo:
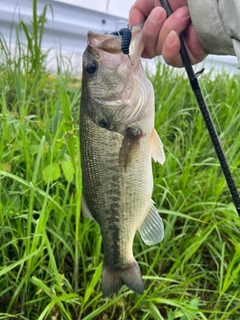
(156, 15)
(171, 39)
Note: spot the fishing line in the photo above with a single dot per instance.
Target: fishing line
(206, 115)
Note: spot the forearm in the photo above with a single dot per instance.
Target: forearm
(217, 24)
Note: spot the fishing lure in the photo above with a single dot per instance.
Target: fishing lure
(126, 39)
(126, 35)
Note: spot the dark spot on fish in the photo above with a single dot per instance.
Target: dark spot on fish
(131, 142)
(91, 67)
(133, 132)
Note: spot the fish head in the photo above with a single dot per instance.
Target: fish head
(107, 71)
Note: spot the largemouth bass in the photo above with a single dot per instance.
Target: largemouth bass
(118, 140)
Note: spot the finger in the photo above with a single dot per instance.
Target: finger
(178, 22)
(170, 50)
(141, 10)
(195, 48)
(135, 17)
(177, 4)
(151, 31)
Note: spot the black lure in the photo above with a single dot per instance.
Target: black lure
(126, 39)
(126, 35)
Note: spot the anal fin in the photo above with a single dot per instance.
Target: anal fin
(152, 229)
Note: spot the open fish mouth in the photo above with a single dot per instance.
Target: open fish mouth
(109, 47)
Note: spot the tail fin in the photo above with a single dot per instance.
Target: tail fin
(114, 278)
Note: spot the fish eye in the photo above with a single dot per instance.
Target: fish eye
(91, 67)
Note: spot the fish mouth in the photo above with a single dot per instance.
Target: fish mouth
(109, 47)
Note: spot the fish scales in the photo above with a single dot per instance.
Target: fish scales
(117, 142)
(107, 185)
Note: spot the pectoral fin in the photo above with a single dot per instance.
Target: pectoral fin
(152, 230)
(157, 151)
(130, 144)
(85, 211)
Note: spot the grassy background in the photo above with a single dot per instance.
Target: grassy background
(50, 258)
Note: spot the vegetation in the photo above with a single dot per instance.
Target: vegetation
(50, 261)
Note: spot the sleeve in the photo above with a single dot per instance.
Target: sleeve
(217, 24)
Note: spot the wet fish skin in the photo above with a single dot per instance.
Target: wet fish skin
(118, 140)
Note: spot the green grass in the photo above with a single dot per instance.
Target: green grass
(50, 261)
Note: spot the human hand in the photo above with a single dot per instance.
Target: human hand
(161, 34)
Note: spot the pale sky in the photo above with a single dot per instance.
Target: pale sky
(115, 7)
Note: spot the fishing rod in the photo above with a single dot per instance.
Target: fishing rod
(206, 115)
